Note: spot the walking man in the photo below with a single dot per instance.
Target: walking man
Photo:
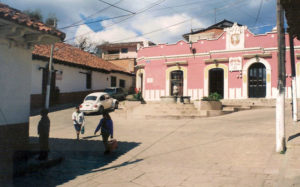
(78, 120)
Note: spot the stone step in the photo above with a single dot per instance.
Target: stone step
(238, 107)
(173, 116)
(229, 109)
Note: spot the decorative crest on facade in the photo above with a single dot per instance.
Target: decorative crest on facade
(235, 37)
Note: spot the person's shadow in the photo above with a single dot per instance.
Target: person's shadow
(80, 157)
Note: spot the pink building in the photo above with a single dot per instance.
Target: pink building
(235, 63)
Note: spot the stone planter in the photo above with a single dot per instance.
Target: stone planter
(208, 105)
(168, 99)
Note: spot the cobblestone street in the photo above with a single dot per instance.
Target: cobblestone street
(231, 150)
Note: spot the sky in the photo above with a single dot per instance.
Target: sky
(159, 21)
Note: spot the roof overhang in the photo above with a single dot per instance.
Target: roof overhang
(24, 35)
(292, 13)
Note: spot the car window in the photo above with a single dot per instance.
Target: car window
(102, 98)
(109, 90)
(90, 98)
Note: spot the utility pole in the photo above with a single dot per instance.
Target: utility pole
(47, 102)
(49, 78)
(294, 87)
(280, 119)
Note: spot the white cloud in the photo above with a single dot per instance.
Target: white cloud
(142, 26)
(160, 16)
(147, 24)
(113, 34)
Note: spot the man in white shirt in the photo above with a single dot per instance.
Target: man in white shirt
(78, 119)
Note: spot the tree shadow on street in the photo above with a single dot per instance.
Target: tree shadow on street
(80, 157)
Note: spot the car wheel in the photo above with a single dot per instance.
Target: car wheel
(101, 110)
(116, 105)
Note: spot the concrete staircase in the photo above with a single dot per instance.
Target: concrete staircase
(251, 102)
(170, 111)
(234, 105)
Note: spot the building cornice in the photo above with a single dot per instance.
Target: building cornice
(211, 52)
(256, 55)
(216, 60)
(171, 63)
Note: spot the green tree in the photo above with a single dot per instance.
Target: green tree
(35, 14)
(51, 20)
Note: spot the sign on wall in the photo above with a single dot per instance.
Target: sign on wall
(235, 64)
(58, 75)
(149, 80)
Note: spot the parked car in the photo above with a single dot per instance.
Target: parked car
(98, 102)
(117, 93)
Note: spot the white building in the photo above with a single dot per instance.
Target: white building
(18, 35)
(77, 73)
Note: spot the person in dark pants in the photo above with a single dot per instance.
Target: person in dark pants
(78, 120)
(43, 131)
(106, 125)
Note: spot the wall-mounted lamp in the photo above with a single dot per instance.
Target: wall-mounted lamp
(38, 67)
(193, 50)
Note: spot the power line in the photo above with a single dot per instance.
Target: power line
(97, 12)
(95, 21)
(117, 7)
(181, 5)
(130, 16)
(259, 10)
(179, 23)
(158, 30)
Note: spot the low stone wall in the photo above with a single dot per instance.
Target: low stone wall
(208, 105)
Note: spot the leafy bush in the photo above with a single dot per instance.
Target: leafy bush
(212, 97)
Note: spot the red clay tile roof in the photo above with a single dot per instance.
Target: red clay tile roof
(68, 54)
(20, 18)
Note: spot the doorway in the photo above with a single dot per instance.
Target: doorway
(216, 81)
(176, 83)
(257, 81)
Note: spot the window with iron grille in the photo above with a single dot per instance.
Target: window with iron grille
(88, 81)
(124, 50)
(122, 83)
(113, 81)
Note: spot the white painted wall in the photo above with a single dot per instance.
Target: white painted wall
(15, 81)
(36, 77)
(128, 79)
(100, 81)
(131, 53)
(72, 80)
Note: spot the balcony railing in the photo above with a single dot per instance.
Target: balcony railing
(111, 56)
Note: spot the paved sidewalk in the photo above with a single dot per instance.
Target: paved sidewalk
(232, 150)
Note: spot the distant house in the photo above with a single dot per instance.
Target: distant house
(234, 63)
(211, 32)
(18, 34)
(76, 73)
(123, 54)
